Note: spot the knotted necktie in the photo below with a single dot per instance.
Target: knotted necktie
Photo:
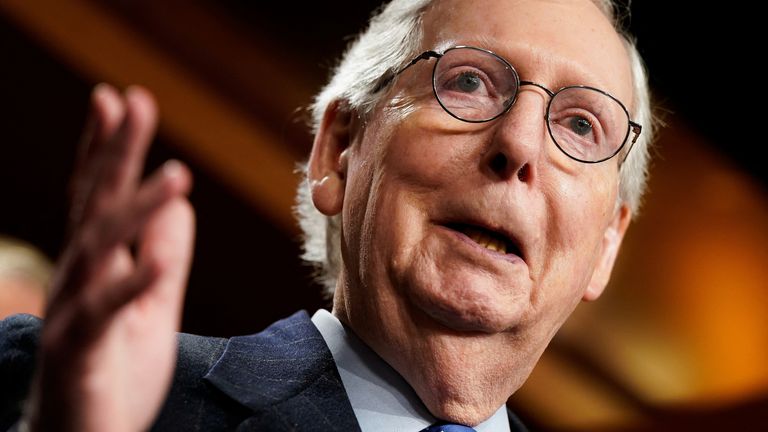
(448, 427)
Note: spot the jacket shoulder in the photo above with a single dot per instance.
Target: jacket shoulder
(194, 404)
(19, 339)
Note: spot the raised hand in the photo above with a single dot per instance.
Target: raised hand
(109, 342)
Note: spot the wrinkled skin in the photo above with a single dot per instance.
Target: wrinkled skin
(462, 324)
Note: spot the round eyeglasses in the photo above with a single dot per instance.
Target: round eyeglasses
(476, 85)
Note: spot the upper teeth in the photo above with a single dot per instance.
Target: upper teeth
(486, 240)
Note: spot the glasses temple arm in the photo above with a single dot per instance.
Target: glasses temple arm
(389, 75)
(636, 129)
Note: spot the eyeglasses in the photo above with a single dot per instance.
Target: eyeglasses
(476, 85)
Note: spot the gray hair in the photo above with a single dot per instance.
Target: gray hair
(393, 38)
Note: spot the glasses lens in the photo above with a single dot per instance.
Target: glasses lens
(587, 124)
(473, 84)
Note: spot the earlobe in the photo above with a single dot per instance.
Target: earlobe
(612, 239)
(327, 169)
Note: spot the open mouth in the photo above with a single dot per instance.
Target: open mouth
(487, 238)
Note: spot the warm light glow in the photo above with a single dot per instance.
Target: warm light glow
(684, 321)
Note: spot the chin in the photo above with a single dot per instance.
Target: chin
(452, 411)
(460, 396)
(468, 303)
(460, 376)
(459, 286)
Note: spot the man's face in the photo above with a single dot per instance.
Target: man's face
(426, 199)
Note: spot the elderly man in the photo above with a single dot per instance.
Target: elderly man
(474, 169)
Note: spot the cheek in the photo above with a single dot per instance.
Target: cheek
(581, 204)
(393, 179)
(579, 211)
(389, 178)
(423, 158)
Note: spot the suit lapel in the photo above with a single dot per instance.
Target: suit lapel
(287, 376)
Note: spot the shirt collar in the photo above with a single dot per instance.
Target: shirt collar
(381, 399)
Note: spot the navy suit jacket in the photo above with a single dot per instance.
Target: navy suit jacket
(282, 379)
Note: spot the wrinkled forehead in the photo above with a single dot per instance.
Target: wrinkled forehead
(552, 42)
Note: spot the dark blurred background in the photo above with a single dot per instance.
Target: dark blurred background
(678, 342)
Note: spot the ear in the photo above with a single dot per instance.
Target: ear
(609, 249)
(328, 161)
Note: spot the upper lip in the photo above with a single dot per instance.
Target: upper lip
(514, 244)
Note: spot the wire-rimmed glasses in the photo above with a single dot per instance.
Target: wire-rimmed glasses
(476, 85)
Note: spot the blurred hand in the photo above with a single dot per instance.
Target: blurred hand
(109, 341)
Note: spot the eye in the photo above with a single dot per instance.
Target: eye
(586, 123)
(577, 127)
(580, 125)
(472, 84)
(468, 82)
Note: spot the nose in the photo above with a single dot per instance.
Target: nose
(519, 137)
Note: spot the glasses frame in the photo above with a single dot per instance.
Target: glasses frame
(633, 127)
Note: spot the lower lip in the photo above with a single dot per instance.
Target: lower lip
(512, 258)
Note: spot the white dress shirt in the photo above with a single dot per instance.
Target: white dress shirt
(382, 400)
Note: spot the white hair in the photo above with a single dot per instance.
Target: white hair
(393, 38)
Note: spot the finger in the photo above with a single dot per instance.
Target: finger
(141, 123)
(121, 160)
(124, 222)
(106, 113)
(168, 242)
(165, 252)
(77, 320)
(88, 263)
(81, 269)
(101, 305)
